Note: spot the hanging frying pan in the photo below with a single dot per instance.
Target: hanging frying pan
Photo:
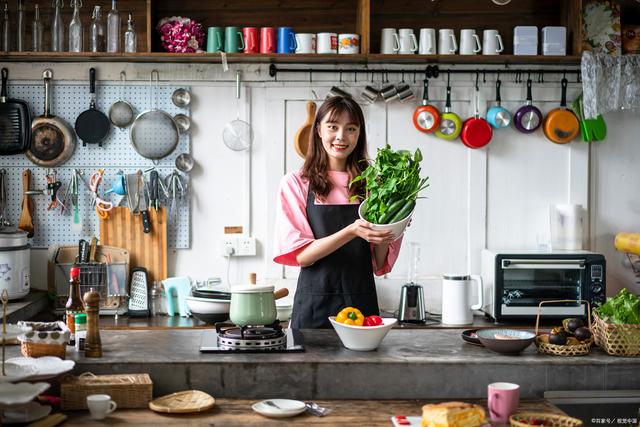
(528, 117)
(498, 116)
(450, 123)
(426, 118)
(92, 125)
(52, 139)
(15, 122)
(476, 131)
(561, 125)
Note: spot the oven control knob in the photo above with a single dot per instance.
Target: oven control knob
(596, 289)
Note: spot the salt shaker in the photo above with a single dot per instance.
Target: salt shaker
(92, 344)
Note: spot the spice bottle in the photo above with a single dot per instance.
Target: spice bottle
(93, 344)
(74, 303)
(81, 331)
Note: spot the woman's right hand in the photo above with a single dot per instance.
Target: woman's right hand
(364, 229)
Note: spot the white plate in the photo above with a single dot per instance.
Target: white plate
(288, 408)
(25, 413)
(16, 372)
(13, 394)
(46, 367)
(13, 331)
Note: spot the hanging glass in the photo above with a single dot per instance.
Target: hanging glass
(57, 28)
(96, 31)
(130, 38)
(75, 28)
(36, 32)
(113, 28)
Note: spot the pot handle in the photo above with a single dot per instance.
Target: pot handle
(478, 280)
(280, 293)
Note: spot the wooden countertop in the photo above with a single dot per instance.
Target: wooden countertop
(233, 412)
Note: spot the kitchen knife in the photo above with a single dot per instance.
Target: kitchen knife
(144, 208)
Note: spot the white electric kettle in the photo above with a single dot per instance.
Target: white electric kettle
(456, 298)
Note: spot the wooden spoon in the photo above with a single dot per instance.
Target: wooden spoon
(303, 136)
(26, 222)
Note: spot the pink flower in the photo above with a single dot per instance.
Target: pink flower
(178, 34)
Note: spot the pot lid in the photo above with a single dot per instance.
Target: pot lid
(9, 232)
(252, 289)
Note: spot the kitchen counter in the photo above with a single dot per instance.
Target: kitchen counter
(230, 413)
(409, 364)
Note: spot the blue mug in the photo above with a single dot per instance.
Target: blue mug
(286, 40)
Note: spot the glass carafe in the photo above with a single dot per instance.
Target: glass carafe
(6, 29)
(414, 260)
(57, 28)
(130, 38)
(20, 33)
(75, 28)
(113, 28)
(36, 31)
(96, 31)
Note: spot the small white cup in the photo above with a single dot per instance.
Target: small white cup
(100, 405)
(348, 44)
(408, 42)
(491, 42)
(327, 43)
(389, 43)
(306, 43)
(427, 41)
(447, 44)
(469, 42)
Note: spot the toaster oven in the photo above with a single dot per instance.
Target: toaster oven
(516, 282)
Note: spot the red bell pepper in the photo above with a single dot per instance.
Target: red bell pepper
(372, 321)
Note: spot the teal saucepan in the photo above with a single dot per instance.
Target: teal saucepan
(498, 116)
(254, 305)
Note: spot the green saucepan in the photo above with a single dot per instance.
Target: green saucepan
(254, 305)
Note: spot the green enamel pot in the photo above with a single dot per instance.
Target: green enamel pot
(254, 305)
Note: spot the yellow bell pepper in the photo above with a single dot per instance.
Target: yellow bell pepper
(350, 316)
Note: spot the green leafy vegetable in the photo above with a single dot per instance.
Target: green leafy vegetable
(622, 309)
(392, 184)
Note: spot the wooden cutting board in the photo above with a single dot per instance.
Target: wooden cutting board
(149, 250)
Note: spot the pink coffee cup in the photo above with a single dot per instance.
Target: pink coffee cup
(268, 40)
(250, 35)
(502, 401)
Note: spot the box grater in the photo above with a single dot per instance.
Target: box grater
(138, 294)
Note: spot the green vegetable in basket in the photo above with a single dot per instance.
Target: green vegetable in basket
(623, 309)
(392, 185)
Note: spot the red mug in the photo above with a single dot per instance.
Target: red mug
(268, 40)
(250, 35)
(502, 401)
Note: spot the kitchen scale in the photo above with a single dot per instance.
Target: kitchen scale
(228, 338)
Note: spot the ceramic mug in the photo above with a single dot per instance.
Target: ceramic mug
(100, 405)
(408, 42)
(348, 44)
(389, 93)
(215, 39)
(389, 42)
(447, 44)
(327, 43)
(233, 40)
(370, 94)
(502, 401)
(286, 40)
(427, 41)
(491, 42)
(267, 40)
(306, 43)
(251, 40)
(469, 42)
(404, 92)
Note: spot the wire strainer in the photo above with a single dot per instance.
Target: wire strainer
(237, 134)
(154, 133)
(121, 112)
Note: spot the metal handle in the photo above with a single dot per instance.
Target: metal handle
(529, 97)
(563, 300)
(238, 84)
(498, 98)
(47, 75)
(478, 280)
(5, 77)
(156, 76)
(563, 84)
(425, 95)
(448, 102)
(578, 264)
(92, 81)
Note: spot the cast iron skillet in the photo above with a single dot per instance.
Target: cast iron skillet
(92, 125)
(15, 122)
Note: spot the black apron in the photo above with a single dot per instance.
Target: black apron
(342, 279)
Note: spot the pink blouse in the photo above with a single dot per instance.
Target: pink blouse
(293, 231)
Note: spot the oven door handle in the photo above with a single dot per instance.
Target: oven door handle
(555, 264)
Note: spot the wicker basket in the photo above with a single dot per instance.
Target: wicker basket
(575, 348)
(127, 390)
(34, 349)
(553, 420)
(617, 340)
(46, 339)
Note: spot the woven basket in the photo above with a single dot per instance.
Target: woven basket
(575, 348)
(617, 340)
(33, 349)
(554, 420)
(127, 390)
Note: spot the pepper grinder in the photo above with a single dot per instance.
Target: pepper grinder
(93, 345)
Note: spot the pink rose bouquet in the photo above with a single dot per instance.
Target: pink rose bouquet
(178, 34)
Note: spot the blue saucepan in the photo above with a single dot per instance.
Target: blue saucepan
(498, 116)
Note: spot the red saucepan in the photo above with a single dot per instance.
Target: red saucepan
(426, 118)
(528, 117)
(476, 131)
(561, 124)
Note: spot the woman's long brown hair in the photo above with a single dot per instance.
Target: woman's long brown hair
(316, 163)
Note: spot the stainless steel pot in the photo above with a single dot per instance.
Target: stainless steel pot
(15, 267)
(254, 305)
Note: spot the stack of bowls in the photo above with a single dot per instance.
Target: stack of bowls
(209, 306)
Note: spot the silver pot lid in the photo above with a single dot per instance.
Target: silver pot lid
(451, 276)
(12, 237)
(252, 289)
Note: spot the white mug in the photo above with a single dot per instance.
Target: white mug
(408, 42)
(327, 43)
(306, 43)
(389, 42)
(100, 405)
(456, 298)
(447, 42)
(491, 42)
(427, 41)
(348, 43)
(469, 42)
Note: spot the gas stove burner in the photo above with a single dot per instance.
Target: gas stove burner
(266, 337)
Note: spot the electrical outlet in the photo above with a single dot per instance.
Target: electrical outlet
(246, 246)
(228, 245)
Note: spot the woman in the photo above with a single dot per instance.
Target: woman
(318, 227)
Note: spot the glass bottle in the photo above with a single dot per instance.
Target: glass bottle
(414, 261)
(96, 31)
(6, 30)
(75, 28)
(74, 304)
(57, 28)
(113, 28)
(36, 33)
(20, 34)
(130, 38)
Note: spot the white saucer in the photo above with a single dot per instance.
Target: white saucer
(16, 372)
(25, 413)
(287, 408)
(45, 368)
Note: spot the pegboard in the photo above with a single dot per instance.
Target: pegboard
(117, 153)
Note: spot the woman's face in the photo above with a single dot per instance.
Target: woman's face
(339, 138)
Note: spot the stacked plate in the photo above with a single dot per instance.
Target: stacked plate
(209, 306)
